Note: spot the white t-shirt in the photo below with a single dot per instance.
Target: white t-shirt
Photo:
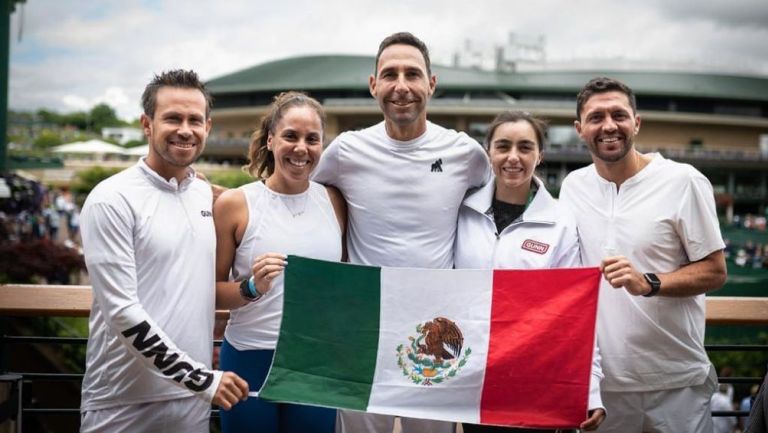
(544, 237)
(302, 224)
(150, 249)
(661, 219)
(403, 197)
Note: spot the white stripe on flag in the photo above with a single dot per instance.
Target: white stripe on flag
(412, 297)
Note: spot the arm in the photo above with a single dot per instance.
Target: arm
(107, 230)
(230, 216)
(692, 279)
(340, 208)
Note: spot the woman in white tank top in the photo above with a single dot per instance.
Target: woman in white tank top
(257, 226)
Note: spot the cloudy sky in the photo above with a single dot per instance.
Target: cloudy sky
(75, 53)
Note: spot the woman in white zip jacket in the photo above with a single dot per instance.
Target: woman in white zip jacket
(514, 223)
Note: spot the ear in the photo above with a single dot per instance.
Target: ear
(637, 124)
(577, 125)
(208, 125)
(372, 85)
(146, 125)
(432, 84)
(269, 142)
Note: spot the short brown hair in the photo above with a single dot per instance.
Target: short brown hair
(539, 126)
(175, 78)
(403, 38)
(261, 160)
(602, 85)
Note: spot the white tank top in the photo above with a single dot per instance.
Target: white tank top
(301, 224)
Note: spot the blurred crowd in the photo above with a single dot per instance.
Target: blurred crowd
(35, 212)
(723, 400)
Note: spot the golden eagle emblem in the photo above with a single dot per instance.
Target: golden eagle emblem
(434, 354)
(442, 339)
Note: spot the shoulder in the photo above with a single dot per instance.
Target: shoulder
(374, 133)
(578, 177)
(230, 200)
(671, 169)
(114, 189)
(678, 176)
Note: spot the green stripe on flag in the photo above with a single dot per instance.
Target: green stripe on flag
(326, 351)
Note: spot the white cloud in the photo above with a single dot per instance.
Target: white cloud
(106, 51)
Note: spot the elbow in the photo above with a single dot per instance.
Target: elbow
(719, 278)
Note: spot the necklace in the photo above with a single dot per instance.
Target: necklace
(295, 204)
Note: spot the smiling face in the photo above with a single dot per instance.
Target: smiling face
(608, 126)
(402, 86)
(514, 152)
(296, 142)
(177, 131)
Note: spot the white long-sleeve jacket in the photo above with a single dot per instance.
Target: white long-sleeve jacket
(150, 248)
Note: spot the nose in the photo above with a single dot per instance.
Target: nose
(184, 129)
(609, 125)
(400, 84)
(300, 147)
(512, 155)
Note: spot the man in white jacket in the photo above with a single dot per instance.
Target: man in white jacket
(149, 244)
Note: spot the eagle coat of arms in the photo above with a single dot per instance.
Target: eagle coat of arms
(434, 354)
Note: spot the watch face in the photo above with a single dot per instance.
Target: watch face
(653, 280)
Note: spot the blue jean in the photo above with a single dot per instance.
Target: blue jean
(256, 415)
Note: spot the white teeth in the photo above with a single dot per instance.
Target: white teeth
(297, 163)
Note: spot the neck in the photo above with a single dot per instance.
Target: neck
(406, 132)
(517, 195)
(283, 187)
(166, 171)
(619, 171)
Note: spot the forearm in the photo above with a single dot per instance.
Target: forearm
(695, 278)
(228, 295)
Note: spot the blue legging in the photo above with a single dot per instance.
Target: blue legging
(256, 415)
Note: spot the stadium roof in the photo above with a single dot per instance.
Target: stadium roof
(350, 73)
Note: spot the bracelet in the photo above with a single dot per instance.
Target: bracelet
(248, 290)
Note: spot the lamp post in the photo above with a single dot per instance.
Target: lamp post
(6, 9)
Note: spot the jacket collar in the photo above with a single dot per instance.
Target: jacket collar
(541, 210)
(161, 183)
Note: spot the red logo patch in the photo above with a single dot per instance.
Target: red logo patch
(535, 246)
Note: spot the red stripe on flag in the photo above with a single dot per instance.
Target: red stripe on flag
(540, 350)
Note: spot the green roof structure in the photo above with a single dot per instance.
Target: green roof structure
(351, 72)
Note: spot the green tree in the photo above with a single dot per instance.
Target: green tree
(47, 139)
(102, 115)
(78, 119)
(230, 179)
(134, 143)
(87, 179)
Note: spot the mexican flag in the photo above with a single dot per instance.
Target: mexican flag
(506, 347)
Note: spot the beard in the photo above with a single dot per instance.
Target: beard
(613, 156)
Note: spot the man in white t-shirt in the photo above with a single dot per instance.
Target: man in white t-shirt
(651, 225)
(150, 247)
(403, 180)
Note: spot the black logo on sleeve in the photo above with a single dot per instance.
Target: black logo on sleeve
(437, 166)
(196, 379)
(206, 213)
